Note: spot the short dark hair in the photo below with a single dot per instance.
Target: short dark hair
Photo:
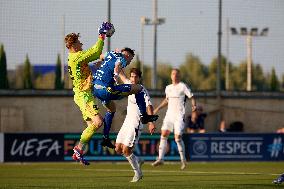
(131, 51)
(136, 71)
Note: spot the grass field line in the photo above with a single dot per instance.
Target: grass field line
(167, 171)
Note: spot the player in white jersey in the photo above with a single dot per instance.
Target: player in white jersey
(130, 131)
(176, 94)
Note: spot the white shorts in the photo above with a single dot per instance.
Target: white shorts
(174, 123)
(129, 132)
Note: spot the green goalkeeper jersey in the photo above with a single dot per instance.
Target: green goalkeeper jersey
(79, 69)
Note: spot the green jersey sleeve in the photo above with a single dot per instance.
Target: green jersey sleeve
(92, 53)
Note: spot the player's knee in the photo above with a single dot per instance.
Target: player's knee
(118, 149)
(97, 121)
(110, 107)
(164, 135)
(126, 150)
(178, 138)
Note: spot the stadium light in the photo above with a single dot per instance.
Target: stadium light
(253, 32)
(155, 22)
(234, 31)
(264, 32)
(244, 31)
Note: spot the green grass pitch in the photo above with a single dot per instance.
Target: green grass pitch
(217, 175)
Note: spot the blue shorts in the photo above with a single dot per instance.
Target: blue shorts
(106, 94)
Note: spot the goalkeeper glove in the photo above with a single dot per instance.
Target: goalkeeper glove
(105, 27)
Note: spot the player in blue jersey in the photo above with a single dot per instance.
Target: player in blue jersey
(106, 88)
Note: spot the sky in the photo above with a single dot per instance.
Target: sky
(37, 28)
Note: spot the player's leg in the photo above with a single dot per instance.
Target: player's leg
(127, 137)
(92, 127)
(118, 148)
(134, 161)
(104, 94)
(181, 150)
(178, 130)
(111, 109)
(166, 129)
(94, 121)
(120, 139)
(162, 148)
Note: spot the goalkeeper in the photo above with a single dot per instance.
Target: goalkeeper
(81, 76)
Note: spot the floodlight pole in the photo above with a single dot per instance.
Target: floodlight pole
(227, 71)
(63, 50)
(249, 61)
(218, 82)
(219, 61)
(155, 22)
(142, 21)
(249, 34)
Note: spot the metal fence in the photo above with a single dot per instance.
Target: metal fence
(37, 28)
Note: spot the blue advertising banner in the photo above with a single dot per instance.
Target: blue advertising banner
(234, 147)
(199, 147)
(147, 148)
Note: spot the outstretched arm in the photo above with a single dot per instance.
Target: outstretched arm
(163, 104)
(92, 53)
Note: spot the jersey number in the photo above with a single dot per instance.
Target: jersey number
(70, 72)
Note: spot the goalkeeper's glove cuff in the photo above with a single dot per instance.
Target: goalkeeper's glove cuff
(102, 36)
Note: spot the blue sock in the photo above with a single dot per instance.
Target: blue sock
(107, 123)
(141, 102)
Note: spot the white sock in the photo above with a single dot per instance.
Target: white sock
(133, 161)
(162, 147)
(180, 145)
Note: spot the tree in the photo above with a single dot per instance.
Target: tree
(58, 84)
(146, 75)
(27, 74)
(274, 82)
(4, 84)
(238, 76)
(193, 72)
(164, 79)
(211, 79)
(259, 82)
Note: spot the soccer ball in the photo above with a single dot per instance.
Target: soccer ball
(111, 31)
